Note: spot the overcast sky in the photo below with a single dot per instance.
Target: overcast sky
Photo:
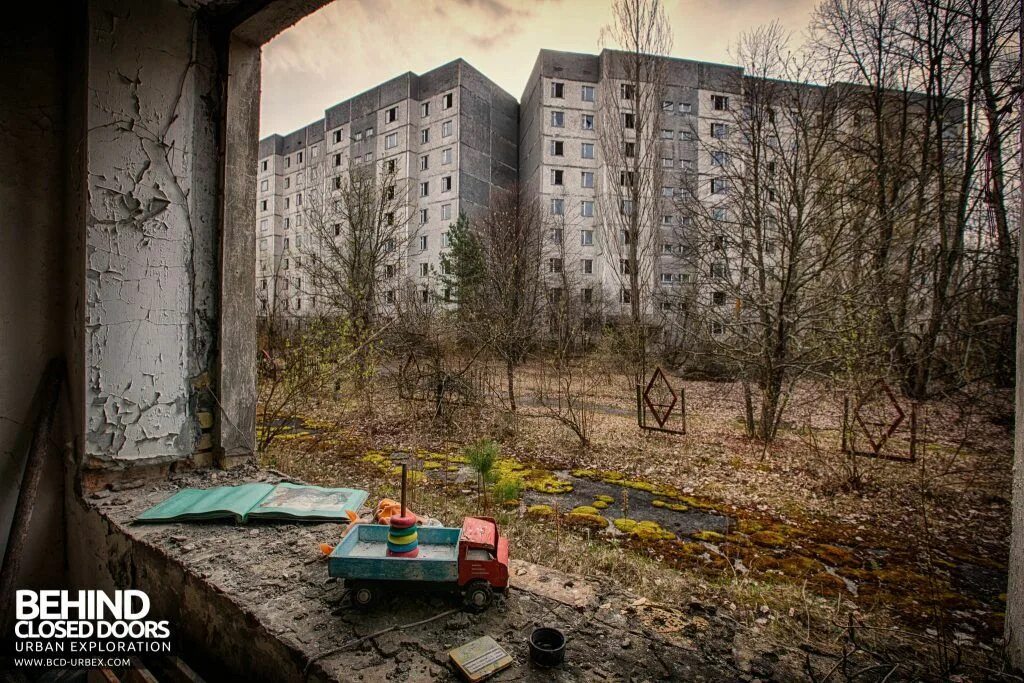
(352, 45)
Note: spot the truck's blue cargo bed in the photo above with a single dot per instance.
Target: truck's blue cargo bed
(362, 554)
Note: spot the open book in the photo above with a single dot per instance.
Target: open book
(257, 501)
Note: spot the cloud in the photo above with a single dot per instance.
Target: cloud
(352, 45)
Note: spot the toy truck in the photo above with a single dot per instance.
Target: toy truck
(472, 560)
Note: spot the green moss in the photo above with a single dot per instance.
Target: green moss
(750, 526)
(431, 465)
(708, 536)
(582, 519)
(643, 529)
(605, 499)
(675, 507)
(599, 504)
(540, 511)
(376, 458)
(543, 481)
(584, 510)
(834, 555)
(770, 539)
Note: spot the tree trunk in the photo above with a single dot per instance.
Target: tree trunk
(510, 378)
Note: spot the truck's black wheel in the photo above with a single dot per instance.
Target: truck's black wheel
(479, 596)
(364, 594)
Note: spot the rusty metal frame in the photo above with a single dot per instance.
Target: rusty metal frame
(645, 405)
(855, 420)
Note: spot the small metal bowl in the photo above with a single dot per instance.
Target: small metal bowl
(547, 646)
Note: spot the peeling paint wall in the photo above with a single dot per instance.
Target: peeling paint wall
(151, 217)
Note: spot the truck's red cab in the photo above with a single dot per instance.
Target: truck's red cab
(483, 553)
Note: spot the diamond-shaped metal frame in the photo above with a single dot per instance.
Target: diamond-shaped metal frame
(857, 417)
(663, 413)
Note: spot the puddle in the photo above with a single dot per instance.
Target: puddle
(586, 491)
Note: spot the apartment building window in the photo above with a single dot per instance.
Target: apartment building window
(667, 134)
(263, 283)
(667, 219)
(446, 240)
(629, 149)
(298, 220)
(557, 90)
(423, 216)
(557, 148)
(667, 105)
(587, 208)
(688, 165)
(389, 270)
(717, 328)
(298, 199)
(720, 102)
(626, 207)
(389, 244)
(337, 160)
(557, 235)
(358, 135)
(337, 182)
(264, 186)
(446, 129)
(558, 119)
(299, 156)
(719, 130)
(287, 202)
(554, 265)
(586, 295)
(685, 108)
(423, 242)
(287, 223)
(667, 248)
(667, 278)
(686, 135)
(425, 136)
(446, 212)
(557, 207)
(626, 178)
(624, 237)
(337, 136)
(287, 182)
(587, 179)
(424, 162)
(390, 166)
(718, 298)
(447, 101)
(285, 267)
(628, 120)
(446, 156)
(391, 141)
(557, 176)
(424, 189)
(264, 165)
(446, 184)
(337, 229)
(263, 205)
(586, 238)
(424, 295)
(587, 93)
(287, 162)
(719, 186)
(587, 266)
(718, 270)
(587, 122)
(624, 266)
(314, 151)
(369, 132)
(391, 115)
(668, 192)
(263, 245)
(719, 214)
(625, 296)
(667, 162)
(368, 157)
(587, 150)
(264, 225)
(425, 109)
(424, 269)
(719, 158)
(626, 91)
(389, 296)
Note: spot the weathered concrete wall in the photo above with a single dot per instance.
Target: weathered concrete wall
(151, 240)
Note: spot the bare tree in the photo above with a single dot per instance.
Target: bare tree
(493, 269)
(629, 130)
(765, 232)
